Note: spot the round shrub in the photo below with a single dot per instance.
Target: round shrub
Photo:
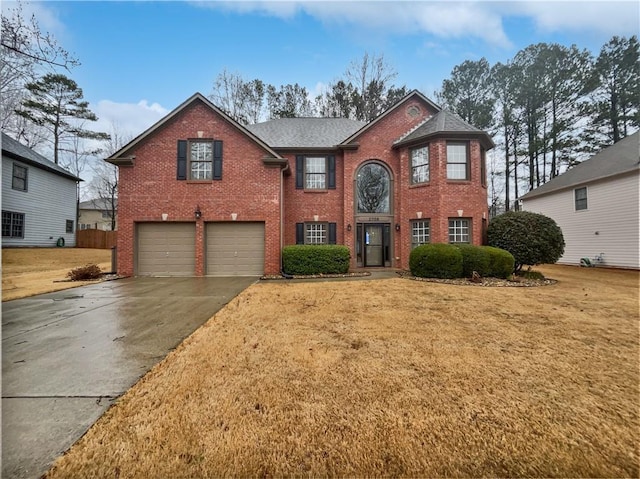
(436, 260)
(531, 238)
(474, 258)
(315, 259)
(501, 262)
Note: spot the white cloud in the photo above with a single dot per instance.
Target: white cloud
(449, 20)
(606, 17)
(129, 118)
(442, 19)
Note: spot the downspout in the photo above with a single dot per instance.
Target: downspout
(282, 171)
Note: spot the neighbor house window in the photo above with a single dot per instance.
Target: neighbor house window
(459, 230)
(106, 214)
(85, 226)
(12, 224)
(201, 160)
(420, 165)
(457, 161)
(581, 198)
(419, 233)
(69, 226)
(315, 172)
(315, 233)
(19, 180)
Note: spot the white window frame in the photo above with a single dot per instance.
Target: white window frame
(420, 232)
(419, 171)
(455, 160)
(581, 200)
(315, 172)
(459, 230)
(316, 233)
(200, 160)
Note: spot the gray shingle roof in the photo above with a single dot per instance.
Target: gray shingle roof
(621, 157)
(99, 204)
(305, 132)
(17, 150)
(442, 122)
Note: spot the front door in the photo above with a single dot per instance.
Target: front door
(373, 245)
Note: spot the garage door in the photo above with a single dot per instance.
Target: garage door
(166, 249)
(235, 249)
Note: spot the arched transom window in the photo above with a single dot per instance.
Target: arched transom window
(373, 189)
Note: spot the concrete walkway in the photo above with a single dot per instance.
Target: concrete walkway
(66, 356)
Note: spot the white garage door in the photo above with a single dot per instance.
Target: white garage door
(166, 249)
(235, 249)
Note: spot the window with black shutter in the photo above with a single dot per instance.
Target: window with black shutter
(315, 172)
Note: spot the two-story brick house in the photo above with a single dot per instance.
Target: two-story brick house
(200, 194)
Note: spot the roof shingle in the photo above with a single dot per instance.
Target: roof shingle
(19, 151)
(305, 132)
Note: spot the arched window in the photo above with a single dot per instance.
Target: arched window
(373, 189)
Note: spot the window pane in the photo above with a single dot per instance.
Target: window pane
(420, 165)
(315, 170)
(458, 231)
(457, 161)
(581, 198)
(19, 181)
(201, 160)
(6, 223)
(419, 233)
(316, 233)
(372, 189)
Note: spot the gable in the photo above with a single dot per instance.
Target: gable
(415, 107)
(123, 157)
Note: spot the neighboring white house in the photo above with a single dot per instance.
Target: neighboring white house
(596, 204)
(39, 198)
(97, 213)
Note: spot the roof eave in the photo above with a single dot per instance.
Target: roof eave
(31, 162)
(176, 111)
(484, 138)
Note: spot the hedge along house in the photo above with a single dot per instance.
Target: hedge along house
(201, 194)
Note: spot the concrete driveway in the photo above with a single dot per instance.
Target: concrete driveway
(66, 356)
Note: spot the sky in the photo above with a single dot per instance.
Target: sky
(139, 60)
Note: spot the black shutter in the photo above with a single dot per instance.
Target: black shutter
(217, 160)
(182, 160)
(299, 233)
(332, 233)
(332, 172)
(299, 172)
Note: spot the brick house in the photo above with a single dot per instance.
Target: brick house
(200, 194)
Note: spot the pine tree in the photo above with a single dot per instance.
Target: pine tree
(55, 103)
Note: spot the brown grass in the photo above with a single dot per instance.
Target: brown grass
(30, 271)
(389, 378)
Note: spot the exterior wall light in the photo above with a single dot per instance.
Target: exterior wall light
(198, 213)
(349, 227)
(397, 226)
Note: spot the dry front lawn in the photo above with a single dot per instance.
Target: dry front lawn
(30, 271)
(389, 378)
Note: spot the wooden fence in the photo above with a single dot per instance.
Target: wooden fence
(96, 239)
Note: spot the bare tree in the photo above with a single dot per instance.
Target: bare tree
(242, 100)
(104, 185)
(26, 53)
(372, 77)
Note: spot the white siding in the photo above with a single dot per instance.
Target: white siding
(609, 225)
(49, 201)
